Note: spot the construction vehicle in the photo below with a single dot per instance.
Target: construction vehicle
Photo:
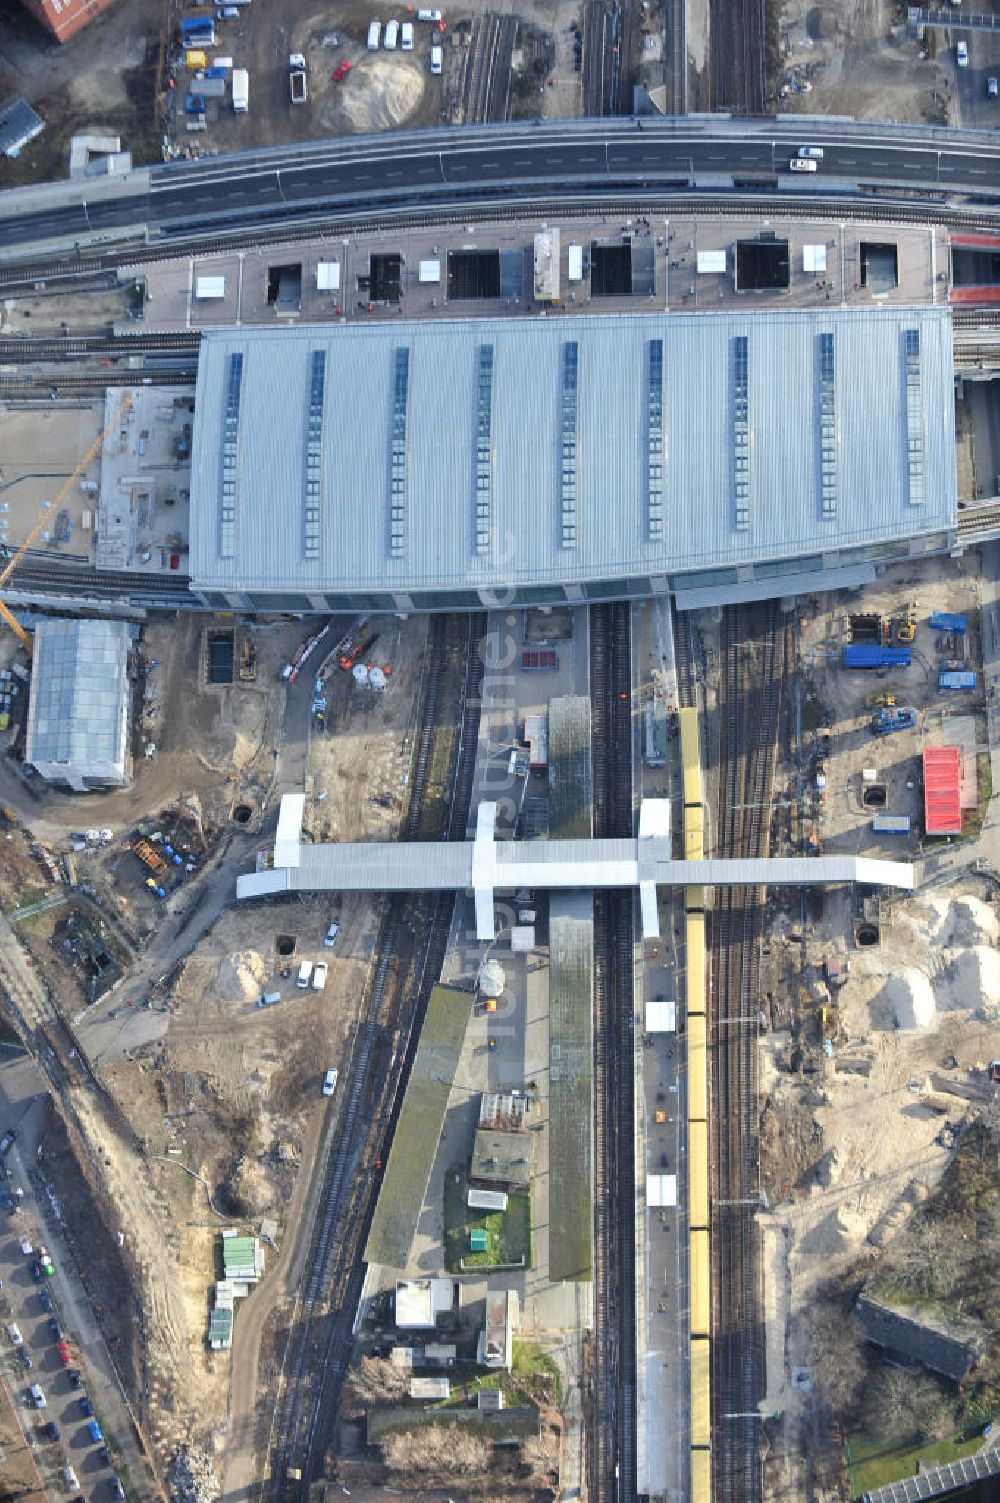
(353, 650)
(881, 701)
(248, 661)
(47, 516)
(150, 856)
(887, 721)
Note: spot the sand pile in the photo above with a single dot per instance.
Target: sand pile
(961, 922)
(384, 92)
(975, 979)
(242, 975)
(911, 1000)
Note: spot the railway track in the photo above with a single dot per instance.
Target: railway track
(609, 48)
(753, 669)
(738, 42)
(613, 1455)
(319, 1345)
(52, 347)
(923, 208)
(486, 84)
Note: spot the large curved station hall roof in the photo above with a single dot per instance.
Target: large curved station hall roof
(432, 464)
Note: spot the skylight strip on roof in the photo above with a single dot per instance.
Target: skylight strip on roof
(827, 426)
(397, 454)
(314, 454)
(483, 499)
(230, 453)
(656, 452)
(741, 433)
(914, 418)
(568, 444)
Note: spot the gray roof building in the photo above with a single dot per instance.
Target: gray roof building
(949, 1346)
(78, 715)
(434, 464)
(19, 124)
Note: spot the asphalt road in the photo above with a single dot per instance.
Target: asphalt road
(435, 165)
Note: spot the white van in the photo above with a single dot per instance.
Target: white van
(802, 164)
(428, 15)
(329, 1082)
(14, 1335)
(37, 1396)
(70, 1478)
(305, 975)
(391, 35)
(374, 35)
(435, 59)
(406, 36)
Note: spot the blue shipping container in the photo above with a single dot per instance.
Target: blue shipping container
(871, 655)
(946, 621)
(964, 680)
(891, 824)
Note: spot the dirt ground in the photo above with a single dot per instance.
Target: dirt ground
(359, 765)
(855, 59)
(865, 1079)
(103, 79)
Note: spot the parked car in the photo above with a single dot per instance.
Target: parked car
(962, 54)
(330, 937)
(104, 1456)
(7, 1141)
(26, 1359)
(26, 1248)
(330, 1082)
(52, 1430)
(64, 1354)
(75, 1381)
(117, 1488)
(55, 1328)
(70, 1478)
(44, 1298)
(95, 1432)
(436, 56)
(319, 975)
(14, 1334)
(37, 1396)
(341, 71)
(86, 1407)
(992, 87)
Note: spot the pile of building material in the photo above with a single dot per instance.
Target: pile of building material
(191, 1478)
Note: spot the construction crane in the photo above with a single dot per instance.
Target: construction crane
(47, 515)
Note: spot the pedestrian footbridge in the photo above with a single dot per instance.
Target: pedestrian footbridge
(486, 865)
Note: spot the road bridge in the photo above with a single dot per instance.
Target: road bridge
(507, 166)
(486, 865)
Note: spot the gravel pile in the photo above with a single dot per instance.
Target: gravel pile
(191, 1478)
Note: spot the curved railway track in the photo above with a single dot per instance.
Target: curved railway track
(321, 1330)
(613, 1455)
(753, 669)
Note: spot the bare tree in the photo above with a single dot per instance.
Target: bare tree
(378, 1382)
(837, 1352)
(923, 1258)
(888, 1405)
(442, 1452)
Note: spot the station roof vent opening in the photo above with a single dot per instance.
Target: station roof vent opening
(762, 264)
(879, 266)
(284, 287)
(473, 274)
(385, 276)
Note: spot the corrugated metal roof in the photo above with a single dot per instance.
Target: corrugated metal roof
(78, 716)
(613, 473)
(942, 790)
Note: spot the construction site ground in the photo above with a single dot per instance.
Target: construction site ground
(867, 1078)
(856, 59)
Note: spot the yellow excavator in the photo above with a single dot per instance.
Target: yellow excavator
(5, 614)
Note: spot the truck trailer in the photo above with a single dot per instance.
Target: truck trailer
(948, 621)
(874, 655)
(887, 721)
(241, 91)
(297, 86)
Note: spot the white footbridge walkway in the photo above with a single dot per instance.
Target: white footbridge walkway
(486, 866)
